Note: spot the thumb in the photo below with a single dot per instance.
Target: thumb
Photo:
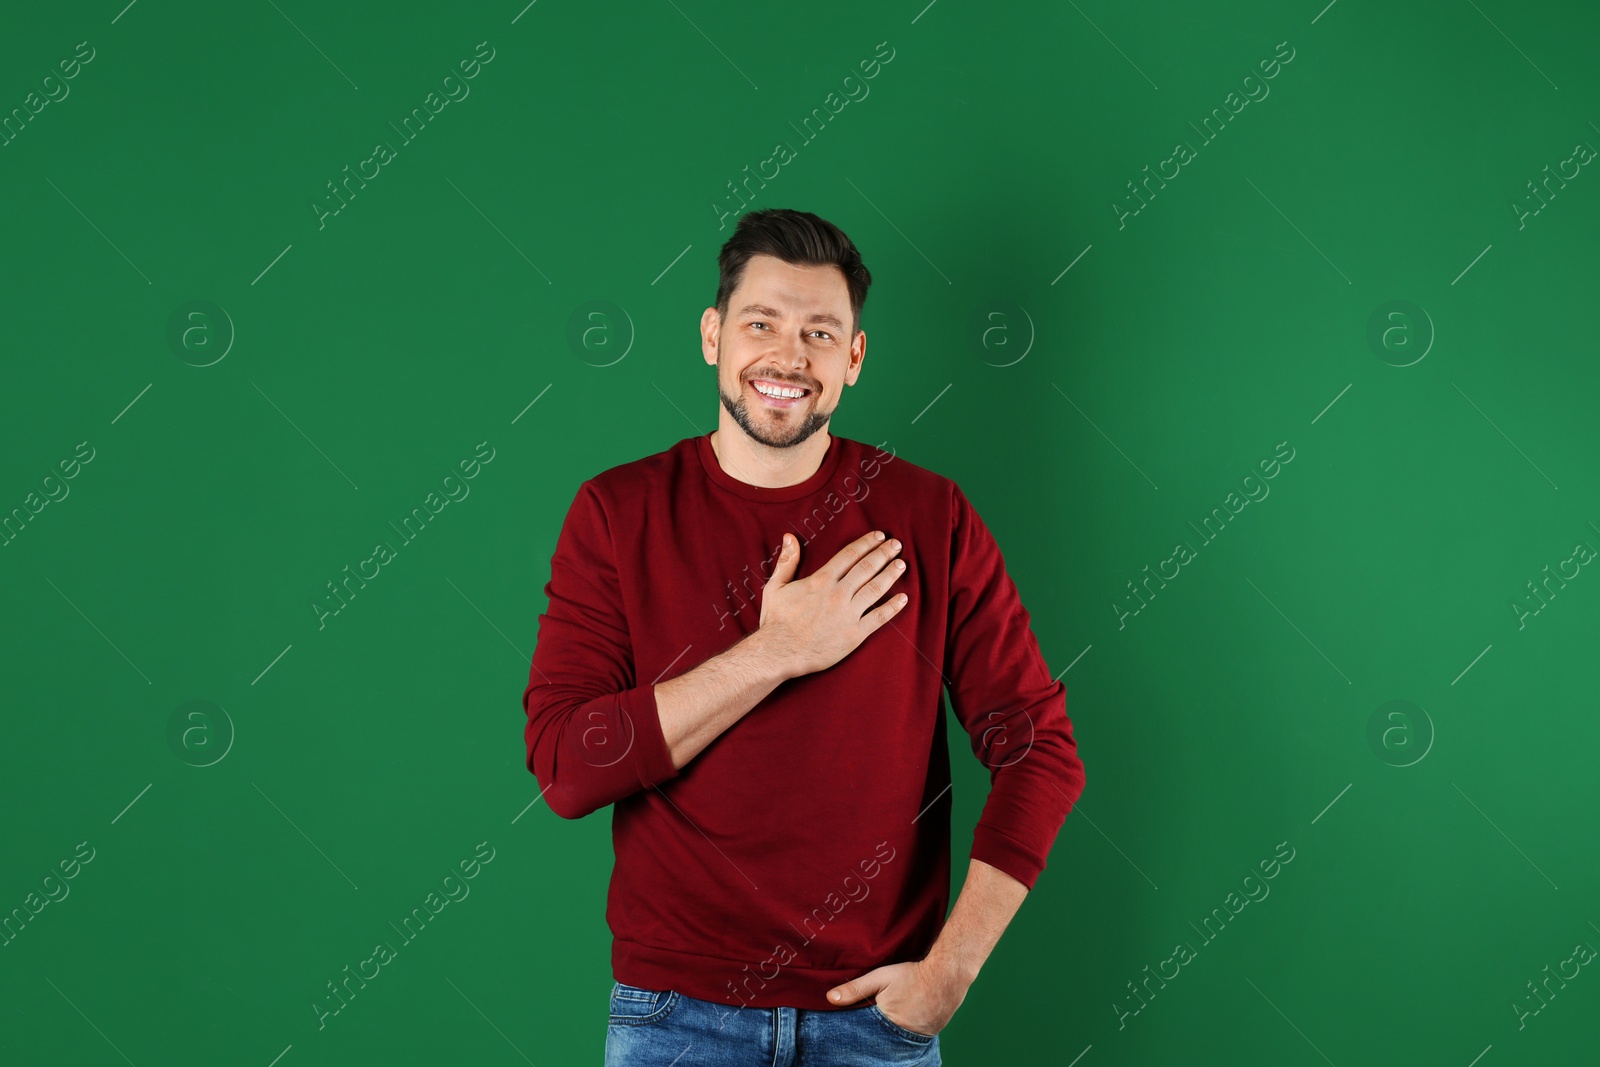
(867, 985)
(788, 561)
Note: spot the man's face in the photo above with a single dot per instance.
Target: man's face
(788, 327)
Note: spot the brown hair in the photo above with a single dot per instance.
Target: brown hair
(797, 237)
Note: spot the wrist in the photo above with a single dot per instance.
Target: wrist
(951, 968)
(769, 657)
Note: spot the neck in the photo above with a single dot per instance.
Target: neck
(743, 457)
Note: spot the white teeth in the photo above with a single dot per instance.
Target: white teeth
(791, 394)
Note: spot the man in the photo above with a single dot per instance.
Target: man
(744, 651)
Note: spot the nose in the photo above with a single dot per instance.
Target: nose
(792, 356)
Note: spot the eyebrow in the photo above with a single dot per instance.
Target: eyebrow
(773, 313)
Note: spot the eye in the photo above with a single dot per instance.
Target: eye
(758, 324)
(824, 333)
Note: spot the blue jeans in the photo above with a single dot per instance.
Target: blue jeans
(665, 1028)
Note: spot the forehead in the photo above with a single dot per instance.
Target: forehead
(782, 285)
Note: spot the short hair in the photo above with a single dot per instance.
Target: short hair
(796, 237)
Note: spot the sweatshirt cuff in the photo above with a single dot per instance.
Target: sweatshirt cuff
(650, 758)
(998, 850)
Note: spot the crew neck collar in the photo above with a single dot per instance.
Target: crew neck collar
(769, 494)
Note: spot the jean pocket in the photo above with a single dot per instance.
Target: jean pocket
(898, 1030)
(634, 1006)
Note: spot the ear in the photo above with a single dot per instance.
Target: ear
(710, 328)
(858, 353)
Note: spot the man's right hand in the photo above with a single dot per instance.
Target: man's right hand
(817, 621)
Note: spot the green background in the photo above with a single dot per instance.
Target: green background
(1441, 861)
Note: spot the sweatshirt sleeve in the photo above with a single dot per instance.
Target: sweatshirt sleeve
(1003, 695)
(593, 732)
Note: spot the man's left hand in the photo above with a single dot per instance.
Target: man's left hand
(916, 995)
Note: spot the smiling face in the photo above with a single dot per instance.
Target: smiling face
(788, 329)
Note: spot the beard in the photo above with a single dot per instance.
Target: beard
(773, 427)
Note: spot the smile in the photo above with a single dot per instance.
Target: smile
(778, 394)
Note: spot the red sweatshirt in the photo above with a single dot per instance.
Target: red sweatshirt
(810, 841)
